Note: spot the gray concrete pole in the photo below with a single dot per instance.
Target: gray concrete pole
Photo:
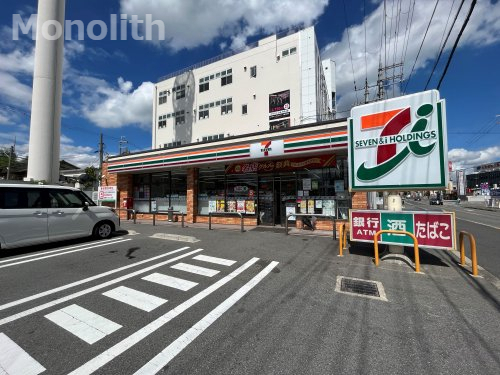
(45, 128)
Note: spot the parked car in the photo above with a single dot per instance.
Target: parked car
(33, 214)
(435, 201)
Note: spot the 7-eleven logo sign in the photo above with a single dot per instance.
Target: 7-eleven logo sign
(397, 141)
(267, 148)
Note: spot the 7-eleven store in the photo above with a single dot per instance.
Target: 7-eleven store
(264, 175)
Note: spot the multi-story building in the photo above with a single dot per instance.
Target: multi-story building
(277, 83)
(251, 133)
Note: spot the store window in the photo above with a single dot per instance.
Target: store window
(241, 192)
(159, 191)
(142, 189)
(211, 190)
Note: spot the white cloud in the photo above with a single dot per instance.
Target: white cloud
(463, 158)
(189, 24)
(114, 107)
(482, 29)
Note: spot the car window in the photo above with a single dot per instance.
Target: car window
(20, 198)
(65, 199)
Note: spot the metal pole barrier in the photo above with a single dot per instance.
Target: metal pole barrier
(182, 219)
(341, 240)
(154, 219)
(286, 223)
(209, 221)
(242, 222)
(415, 246)
(334, 228)
(472, 242)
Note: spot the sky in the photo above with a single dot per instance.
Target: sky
(108, 84)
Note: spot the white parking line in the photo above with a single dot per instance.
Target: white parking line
(222, 262)
(113, 352)
(92, 289)
(132, 297)
(92, 278)
(170, 281)
(82, 323)
(15, 361)
(169, 353)
(475, 222)
(67, 252)
(54, 251)
(195, 269)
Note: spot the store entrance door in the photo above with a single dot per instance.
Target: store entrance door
(275, 194)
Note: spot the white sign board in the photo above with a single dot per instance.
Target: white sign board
(267, 148)
(107, 193)
(399, 144)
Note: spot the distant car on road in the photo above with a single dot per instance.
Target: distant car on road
(435, 201)
(417, 198)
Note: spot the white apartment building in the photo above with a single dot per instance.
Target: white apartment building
(278, 83)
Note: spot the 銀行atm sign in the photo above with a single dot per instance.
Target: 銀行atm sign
(432, 229)
(399, 144)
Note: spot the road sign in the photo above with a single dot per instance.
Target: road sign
(432, 229)
(399, 144)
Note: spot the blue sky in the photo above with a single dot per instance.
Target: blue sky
(108, 84)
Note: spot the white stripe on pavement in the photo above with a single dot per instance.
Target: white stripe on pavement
(15, 361)
(170, 281)
(92, 278)
(222, 262)
(132, 297)
(92, 289)
(67, 252)
(55, 251)
(113, 352)
(169, 353)
(82, 323)
(195, 269)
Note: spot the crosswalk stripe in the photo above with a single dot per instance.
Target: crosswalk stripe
(141, 300)
(195, 269)
(170, 281)
(223, 262)
(15, 361)
(83, 323)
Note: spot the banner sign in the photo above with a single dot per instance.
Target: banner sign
(282, 165)
(279, 105)
(461, 182)
(432, 229)
(107, 193)
(399, 144)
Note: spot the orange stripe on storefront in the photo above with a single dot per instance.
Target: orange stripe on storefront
(377, 120)
(315, 136)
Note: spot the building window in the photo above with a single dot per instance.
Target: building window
(253, 72)
(162, 97)
(285, 53)
(204, 86)
(226, 108)
(226, 77)
(244, 109)
(203, 114)
(293, 50)
(180, 118)
(162, 121)
(180, 91)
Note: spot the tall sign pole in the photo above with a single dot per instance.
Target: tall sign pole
(45, 127)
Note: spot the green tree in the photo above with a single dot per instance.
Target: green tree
(93, 177)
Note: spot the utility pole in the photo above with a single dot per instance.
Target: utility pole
(101, 157)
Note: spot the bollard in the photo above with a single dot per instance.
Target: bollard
(472, 242)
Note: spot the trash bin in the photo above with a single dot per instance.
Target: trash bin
(170, 214)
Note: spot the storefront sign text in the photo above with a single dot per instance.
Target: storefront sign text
(282, 165)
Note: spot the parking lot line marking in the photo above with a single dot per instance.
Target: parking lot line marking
(169, 353)
(67, 252)
(119, 348)
(92, 278)
(195, 269)
(82, 323)
(15, 361)
(91, 289)
(54, 251)
(222, 262)
(132, 297)
(476, 222)
(170, 281)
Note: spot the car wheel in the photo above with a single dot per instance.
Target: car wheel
(103, 230)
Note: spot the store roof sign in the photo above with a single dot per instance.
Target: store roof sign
(399, 144)
(267, 148)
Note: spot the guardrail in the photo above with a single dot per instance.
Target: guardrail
(210, 214)
(318, 215)
(472, 242)
(134, 214)
(415, 245)
(168, 212)
(342, 240)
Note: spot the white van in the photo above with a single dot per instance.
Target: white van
(33, 214)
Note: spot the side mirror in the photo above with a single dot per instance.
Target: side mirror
(86, 206)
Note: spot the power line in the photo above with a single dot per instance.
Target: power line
(421, 45)
(444, 44)
(350, 51)
(456, 42)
